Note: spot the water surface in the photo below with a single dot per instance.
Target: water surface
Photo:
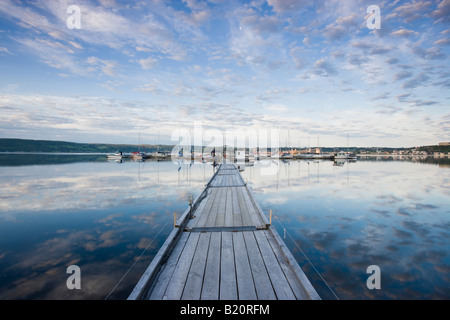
(59, 210)
(83, 210)
(393, 213)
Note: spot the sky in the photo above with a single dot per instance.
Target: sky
(314, 72)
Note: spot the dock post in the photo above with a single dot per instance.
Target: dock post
(190, 206)
(175, 220)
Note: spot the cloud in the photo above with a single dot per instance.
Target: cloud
(260, 45)
(402, 75)
(54, 54)
(443, 42)
(404, 33)
(253, 39)
(433, 53)
(392, 61)
(261, 25)
(342, 27)
(297, 55)
(148, 63)
(442, 13)
(323, 68)
(102, 26)
(335, 32)
(283, 6)
(4, 50)
(107, 67)
(413, 10)
(357, 60)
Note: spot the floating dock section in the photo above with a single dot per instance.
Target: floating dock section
(223, 248)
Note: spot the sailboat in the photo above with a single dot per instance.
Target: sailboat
(158, 154)
(138, 155)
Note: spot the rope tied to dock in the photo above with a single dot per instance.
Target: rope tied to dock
(134, 263)
(306, 257)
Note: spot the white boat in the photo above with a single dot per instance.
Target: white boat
(352, 156)
(158, 155)
(340, 155)
(344, 155)
(115, 156)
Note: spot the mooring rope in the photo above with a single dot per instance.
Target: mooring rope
(312, 265)
(142, 253)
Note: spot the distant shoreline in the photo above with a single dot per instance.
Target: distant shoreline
(56, 153)
(50, 147)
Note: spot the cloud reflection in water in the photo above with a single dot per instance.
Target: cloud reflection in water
(389, 213)
(98, 215)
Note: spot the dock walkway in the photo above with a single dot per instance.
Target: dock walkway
(224, 249)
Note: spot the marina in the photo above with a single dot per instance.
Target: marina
(223, 247)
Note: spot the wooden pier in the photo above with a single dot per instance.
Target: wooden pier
(223, 248)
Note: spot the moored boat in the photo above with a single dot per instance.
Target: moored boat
(345, 155)
(117, 155)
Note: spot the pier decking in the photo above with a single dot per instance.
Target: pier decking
(224, 249)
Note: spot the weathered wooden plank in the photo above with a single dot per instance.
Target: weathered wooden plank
(213, 182)
(263, 285)
(245, 285)
(237, 217)
(263, 217)
(220, 217)
(229, 180)
(239, 179)
(194, 281)
(228, 284)
(246, 220)
(176, 284)
(160, 286)
(210, 289)
(212, 216)
(294, 283)
(229, 208)
(232, 180)
(302, 288)
(253, 213)
(276, 274)
(203, 217)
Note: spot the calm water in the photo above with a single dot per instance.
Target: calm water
(58, 210)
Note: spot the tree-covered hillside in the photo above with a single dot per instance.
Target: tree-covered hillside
(23, 145)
